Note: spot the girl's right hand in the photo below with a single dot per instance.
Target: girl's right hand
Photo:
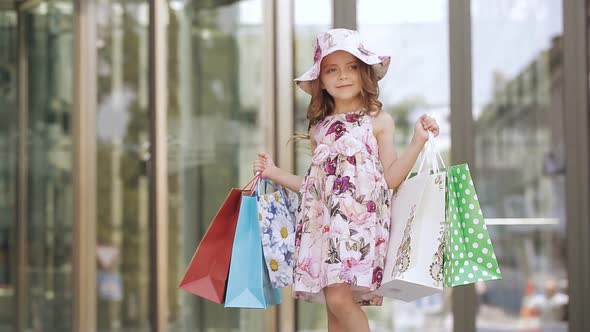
(263, 164)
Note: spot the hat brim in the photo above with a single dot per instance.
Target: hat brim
(379, 64)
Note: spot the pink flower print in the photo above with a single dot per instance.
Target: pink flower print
(306, 265)
(316, 211)
(379, 242)
(317, 52)
(364, 51)
(330, 166)
(329, 40)
(298, 234)
(350, 262)
(371, 145)
(377, 276)
(361, 133)
(352, 117)
(371, 206)
(355, 212)
(308, 183)
(351, 160)
(352, 267)
(341, 184)
(337, 127)
(326, 229)
(365, 180)
(348, 146)
(315, 72)
(321, 153)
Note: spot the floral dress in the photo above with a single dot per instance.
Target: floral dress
(344, 216)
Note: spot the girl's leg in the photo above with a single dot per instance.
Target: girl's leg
(349, 314)
(333, 324)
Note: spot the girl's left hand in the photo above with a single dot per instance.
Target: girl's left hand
(424, 124)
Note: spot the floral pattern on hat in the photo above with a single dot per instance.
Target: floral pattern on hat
(317, 52)
(341, 40)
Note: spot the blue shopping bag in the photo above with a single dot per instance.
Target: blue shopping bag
(248, 283)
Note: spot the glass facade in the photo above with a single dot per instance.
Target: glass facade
(219, 109)
(8, 167)
(215, 128)
(122, 141)
(520, 160)
(49, 201)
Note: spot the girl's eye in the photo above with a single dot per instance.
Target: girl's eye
(354, 67)
(330, 70)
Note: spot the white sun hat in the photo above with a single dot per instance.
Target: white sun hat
(341, 40)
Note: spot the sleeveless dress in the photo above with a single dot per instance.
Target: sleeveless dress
(343, 217)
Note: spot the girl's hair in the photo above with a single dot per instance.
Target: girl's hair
(322, 104)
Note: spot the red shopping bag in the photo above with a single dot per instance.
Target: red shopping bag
(206, 275)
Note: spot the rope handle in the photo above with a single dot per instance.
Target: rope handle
(252, 184)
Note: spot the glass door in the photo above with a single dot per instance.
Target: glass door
(520, 161)
(122, 129)
(48, 38)
(215, 128)
(8, 167)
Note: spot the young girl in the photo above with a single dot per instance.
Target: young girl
(343, 219)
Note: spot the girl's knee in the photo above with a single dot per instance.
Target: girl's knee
(339, 299)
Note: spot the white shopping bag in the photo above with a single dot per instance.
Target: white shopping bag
(414, 262)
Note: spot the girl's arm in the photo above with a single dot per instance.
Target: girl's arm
(266, 165)
(397, 169)
(277, 175)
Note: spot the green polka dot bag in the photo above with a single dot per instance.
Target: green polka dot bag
(469, 255)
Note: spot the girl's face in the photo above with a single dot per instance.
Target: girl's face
(340, 76)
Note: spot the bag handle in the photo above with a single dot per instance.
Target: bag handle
(277, 187)
(251, 186)
(266, 183)
(419, 161)
(435, 149)
(429, 156)
(433, 154)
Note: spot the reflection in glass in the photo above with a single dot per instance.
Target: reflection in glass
(122, 183)
(215, 99)
(416, 35)
(520, 160)
(8, 170)
(49, 41)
